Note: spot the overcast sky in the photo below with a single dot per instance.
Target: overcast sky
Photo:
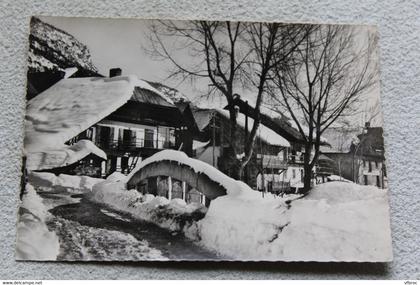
(119, 42)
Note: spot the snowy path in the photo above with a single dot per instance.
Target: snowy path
(88, 231)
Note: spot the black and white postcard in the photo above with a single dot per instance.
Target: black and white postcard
(202, 140)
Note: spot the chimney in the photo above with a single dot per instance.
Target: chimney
(367, 125)
(115, 72)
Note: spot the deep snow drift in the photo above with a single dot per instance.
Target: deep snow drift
(337, 221)
(34, 241)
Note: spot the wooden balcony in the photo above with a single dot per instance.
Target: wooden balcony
(271, 161)
(134, 145)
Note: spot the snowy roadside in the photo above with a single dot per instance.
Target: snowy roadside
(43, 236)
(79, 242)
(336, 221)
(34, 241)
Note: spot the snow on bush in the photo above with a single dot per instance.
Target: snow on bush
(67, 183)
(116, 176)
(337, 221)
(34, 240)
(174, 215)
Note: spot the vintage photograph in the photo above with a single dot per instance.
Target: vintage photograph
(202, 140)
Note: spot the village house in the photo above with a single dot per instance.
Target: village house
(277, 162)
(148, 122)
(364, 163)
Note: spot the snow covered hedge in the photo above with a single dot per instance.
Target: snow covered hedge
(34, 241)
(174, 214)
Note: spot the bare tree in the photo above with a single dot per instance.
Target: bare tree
(332, 68)
(233, 56)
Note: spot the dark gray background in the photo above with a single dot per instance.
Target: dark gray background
(399, 28)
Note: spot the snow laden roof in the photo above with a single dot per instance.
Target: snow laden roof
(146, 93)
(264, 133)
(71, 106)
(197, 144)
(74, 104)
(305, 129)
(62, 155)
(203, 117)
(232, 186)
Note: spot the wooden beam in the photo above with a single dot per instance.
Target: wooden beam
(169, 188)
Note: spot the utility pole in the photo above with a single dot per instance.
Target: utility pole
(214, 137)
(246, 138)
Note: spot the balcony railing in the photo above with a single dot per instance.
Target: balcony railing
(280, 186)
(294, 158)
(134, 144)
(324, 170)
(272, 161)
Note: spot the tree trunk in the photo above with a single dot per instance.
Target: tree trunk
(307, 168)
(236, 169)
(307, 178)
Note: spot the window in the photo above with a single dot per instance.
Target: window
(376, 164)
(378, 181)
(293, 173)
(148, 138)
(370, 166)
(104, 136)
(366, 179)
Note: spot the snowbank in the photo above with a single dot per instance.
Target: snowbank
(34, 241)
(343, 192)
(340, 221)
(61, 155)
(338, 178)
(46, 181)
(337, 221)
(174, 215)
(244, 226)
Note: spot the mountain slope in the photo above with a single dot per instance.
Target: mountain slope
(52, 49)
